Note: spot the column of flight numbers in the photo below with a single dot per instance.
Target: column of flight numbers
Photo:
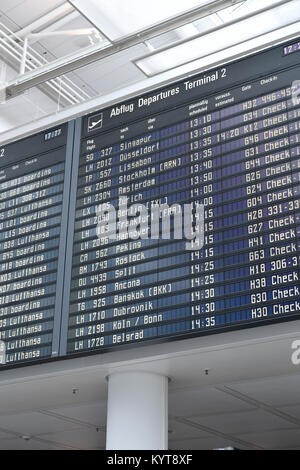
(109, 255)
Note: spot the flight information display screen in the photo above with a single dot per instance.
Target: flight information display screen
(234, 150)
(168, 216)
(32, 182)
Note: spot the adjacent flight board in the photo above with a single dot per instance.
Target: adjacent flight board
(32, 192)
(228, 139)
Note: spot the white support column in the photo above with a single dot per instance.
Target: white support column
(137, 417)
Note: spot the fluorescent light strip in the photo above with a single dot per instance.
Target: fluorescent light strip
(220, 40)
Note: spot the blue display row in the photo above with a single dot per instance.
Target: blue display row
(93, 286)
(102, 272)
(207, 160)
(192, 137)
(26, 284)
(34, 217)
(248, 316)
(43, 174)
(206, 170)
(26, 295)
(269, 232)
(38, 226)
(227, 293)
(28, 355)
(87, 326)
(264, 193)
(26, 319)
(29, 271)
(207, 122)
(32, 259)
(216, 220)
(38, 329)
(98, 193)
(31, 188)
(42, 203)
(29, 244)
(212, 144)
(26, 306)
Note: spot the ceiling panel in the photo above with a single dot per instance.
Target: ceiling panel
(291, 411)
(30, 10)
(31, 106)
(182, 431)
(124, 75)
(275, 391)
(204, 402)
(243, 422)
(33, 424)
(21, 444)
(222, 39)
(113, 73)
(8, 22)
(5, 435)
(65, 45)
(80, 439)
(111, 64)
(287, 439)
(91, 413)
(46, 393)
(7, 5)
(206, 444)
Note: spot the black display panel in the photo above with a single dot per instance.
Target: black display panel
(34, 188)
(228, 139)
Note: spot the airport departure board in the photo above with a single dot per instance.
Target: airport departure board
(233, 149)
(32, 193)
(227, 140)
